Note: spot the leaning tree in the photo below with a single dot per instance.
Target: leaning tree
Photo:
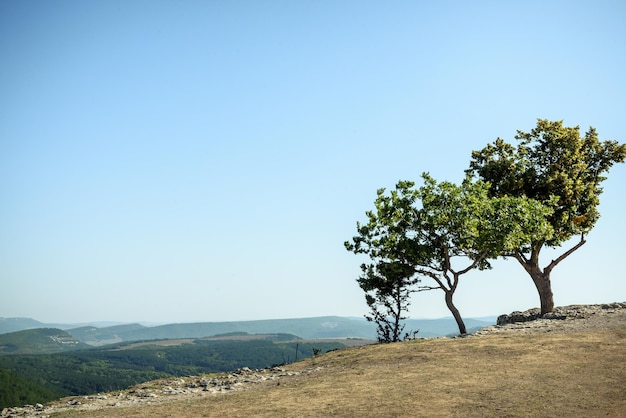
(442, 231)
(558, 167)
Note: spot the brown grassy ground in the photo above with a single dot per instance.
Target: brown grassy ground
(547, 374)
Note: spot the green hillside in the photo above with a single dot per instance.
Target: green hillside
(39, 341)
(16, 390)
(124, 364)
(106, 335)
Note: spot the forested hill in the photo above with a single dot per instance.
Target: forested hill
(30, 378)
(39, 341)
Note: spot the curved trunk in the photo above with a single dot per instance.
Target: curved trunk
(541, 278)
(544, 288)
(455, 313)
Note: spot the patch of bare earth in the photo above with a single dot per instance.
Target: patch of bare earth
(559, 368)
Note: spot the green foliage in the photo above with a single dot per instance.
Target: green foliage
(100, 370)
(390, 283)
(428, 231)
(563, 170)
(555, 165)
(17, 391)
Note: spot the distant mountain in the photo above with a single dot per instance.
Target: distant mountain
(39, 341)
(307, 328)
(107, 335)
(429, 328)
(18, 324)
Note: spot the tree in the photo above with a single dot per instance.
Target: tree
(388, 280)
(387, 288)
(429, 229)
(558, 167)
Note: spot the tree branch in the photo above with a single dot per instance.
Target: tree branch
(553, 264)
(451, 284)
(425, 288)
(474, 264)
(520, 257)
(433, 276)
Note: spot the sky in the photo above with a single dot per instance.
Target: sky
(181, 161)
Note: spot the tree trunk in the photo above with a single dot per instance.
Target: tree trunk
(544, 288)
(541, 278)
(455, 313)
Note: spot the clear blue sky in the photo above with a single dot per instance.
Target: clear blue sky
(171, 161)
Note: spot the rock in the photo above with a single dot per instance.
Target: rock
(570, 318)
(559, 313)
(517, 316)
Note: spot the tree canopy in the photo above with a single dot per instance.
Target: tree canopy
(441, 231)
(558, 167)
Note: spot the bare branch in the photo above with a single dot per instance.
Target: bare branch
(520, 257)
(553, 264)
(451, 284)
(425, 288)
(524, 262)
(433, 276)
(474, 264)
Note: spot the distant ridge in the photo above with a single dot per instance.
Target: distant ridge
(307, 328)
(39, 341)
(19, 324)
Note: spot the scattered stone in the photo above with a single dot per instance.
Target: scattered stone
(192, 386)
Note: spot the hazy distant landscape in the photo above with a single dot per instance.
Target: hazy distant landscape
(40, 362)
(572, 364)
(308, 328)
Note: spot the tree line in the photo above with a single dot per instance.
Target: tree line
(513, 202)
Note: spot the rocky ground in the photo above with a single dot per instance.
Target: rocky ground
(159, 391)
(574, 318)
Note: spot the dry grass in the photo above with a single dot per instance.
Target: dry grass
(550, 374)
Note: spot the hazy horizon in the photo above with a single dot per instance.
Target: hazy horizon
(106, 324)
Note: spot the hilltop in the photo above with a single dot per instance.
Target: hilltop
(570, 365)
(39, 341)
